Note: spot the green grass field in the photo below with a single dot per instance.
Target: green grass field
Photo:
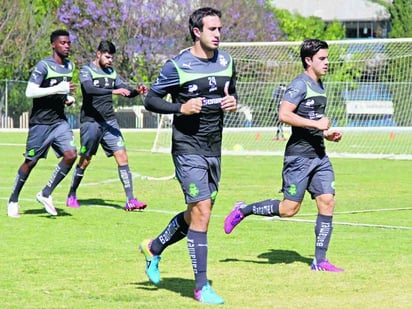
(88, 257)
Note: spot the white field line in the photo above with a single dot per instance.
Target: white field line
(359, 211)
(344, 223)
(170, 212)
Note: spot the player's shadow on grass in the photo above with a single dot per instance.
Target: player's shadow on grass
(96, 202)
(181, 286)
(275, 257)
(42, 211)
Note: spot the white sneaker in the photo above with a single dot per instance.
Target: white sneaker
(13, 209)
(47, 203)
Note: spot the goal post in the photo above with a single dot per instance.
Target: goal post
(368, 88)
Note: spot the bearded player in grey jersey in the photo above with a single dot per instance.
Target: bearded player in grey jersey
(99, 82)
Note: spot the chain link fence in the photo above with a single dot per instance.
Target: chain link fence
(15, 109)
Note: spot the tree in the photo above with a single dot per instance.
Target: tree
(401, 19)
(24, 34)
(297, 28)
(146, 33)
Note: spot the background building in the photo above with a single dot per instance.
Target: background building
(361, 18)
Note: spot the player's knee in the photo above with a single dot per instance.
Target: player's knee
(69, 157)
(289, 208)
(326, 203)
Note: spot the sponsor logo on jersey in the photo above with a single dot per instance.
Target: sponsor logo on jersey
(192, 88)
(310, 102)
(213, 101)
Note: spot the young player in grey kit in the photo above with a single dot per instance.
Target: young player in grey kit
(306, 165)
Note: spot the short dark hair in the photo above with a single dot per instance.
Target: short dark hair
(196, 18)
(106, 46)
(55, 34)
(309, 48)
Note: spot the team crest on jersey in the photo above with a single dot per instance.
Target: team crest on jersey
(222, 60)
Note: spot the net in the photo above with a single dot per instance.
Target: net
(368, 88)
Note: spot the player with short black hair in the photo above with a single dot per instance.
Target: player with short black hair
(201, 82)
(50, 87)
(99, 82)
(306, 165)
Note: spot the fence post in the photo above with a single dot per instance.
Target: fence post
(6, 103)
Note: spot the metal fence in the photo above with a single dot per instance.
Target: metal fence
(15, 109)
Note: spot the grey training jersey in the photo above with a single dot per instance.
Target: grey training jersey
(186, 77)
(48, 73)
(310, 99)
(97, 86)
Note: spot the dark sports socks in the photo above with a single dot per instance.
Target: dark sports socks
(76, 179)
(197, 245)
(323, 232)
(268, 208)
(58, 175)
(175, 231)
(126, 178)
(19, 182)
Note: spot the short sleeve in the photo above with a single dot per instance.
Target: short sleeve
(295, 92)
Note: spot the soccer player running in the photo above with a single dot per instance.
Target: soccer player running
(201, 81)
(99, 82)
(306, 165)
(49, 86)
